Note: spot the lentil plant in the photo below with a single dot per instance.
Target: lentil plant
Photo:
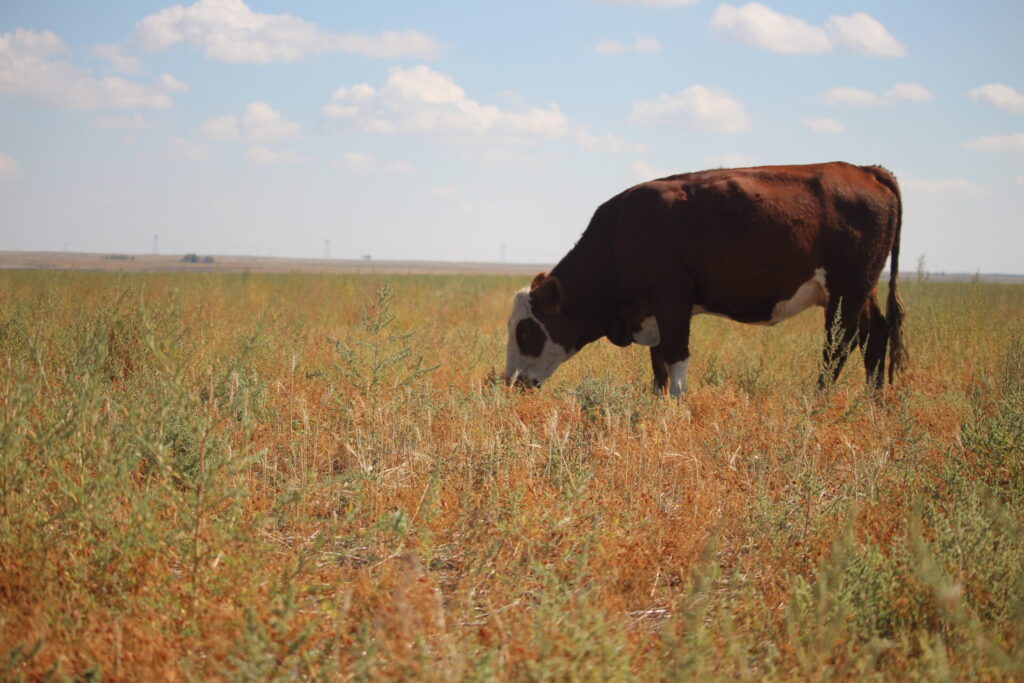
(284, 477)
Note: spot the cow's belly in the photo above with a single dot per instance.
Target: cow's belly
(810, 293)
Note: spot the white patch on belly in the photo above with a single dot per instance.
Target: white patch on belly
(677, 377)
(648, 334)
(810, 293)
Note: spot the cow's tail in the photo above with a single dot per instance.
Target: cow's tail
(898, 356)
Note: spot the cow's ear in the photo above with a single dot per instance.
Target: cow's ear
(546, 295)
(537, 279)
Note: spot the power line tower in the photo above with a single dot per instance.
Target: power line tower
(156, 244)
(327, 250)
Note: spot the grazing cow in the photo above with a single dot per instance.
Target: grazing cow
(756, 245)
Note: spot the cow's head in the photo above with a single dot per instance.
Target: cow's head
(538, 333)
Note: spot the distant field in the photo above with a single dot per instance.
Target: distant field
(146, 263)
(302, 475)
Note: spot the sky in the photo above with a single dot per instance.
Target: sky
(489, 131)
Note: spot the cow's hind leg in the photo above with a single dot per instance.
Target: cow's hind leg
(873, 336)
(842, 315)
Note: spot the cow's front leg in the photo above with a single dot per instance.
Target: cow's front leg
(669, 359)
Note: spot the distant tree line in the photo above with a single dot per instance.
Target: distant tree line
(195, 258)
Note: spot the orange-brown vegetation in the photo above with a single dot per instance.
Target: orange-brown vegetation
(296, 476)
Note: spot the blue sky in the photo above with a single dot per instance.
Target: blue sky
(476, 130)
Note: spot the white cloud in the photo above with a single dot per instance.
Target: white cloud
(259, 124)
(27, 71)
(265, 156)
(823, 125)
(643, 44)
(855, 97)
(760, 26)
(913, 92)
(182, 148)
(131, 122)
(646, 44)
(221, 129)
(172, 84)
(757, 25)
(999, 96)
(605, 143)
(644, 171)
(121, 62)
(230, 31)
(998, 143)
(358, 162)
(696, 107)
(419, 100)
(957, 186)
(8, 166)
(864, 35)
(610, 47)
(729, 160)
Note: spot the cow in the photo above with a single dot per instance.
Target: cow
(755, 245)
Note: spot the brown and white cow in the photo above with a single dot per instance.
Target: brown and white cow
(757, 245)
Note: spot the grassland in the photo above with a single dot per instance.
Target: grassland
(208, 476)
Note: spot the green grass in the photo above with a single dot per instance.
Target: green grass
(268, 477)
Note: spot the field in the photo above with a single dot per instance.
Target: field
(255, 476)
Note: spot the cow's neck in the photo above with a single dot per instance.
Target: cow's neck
(586, 276)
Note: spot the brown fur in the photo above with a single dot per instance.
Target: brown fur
(734, 242)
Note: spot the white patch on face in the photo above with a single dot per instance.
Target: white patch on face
(648, 334)
(810, 293)
(531, 369)
(677, 377)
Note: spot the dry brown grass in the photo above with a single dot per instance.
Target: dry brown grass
(213, 476)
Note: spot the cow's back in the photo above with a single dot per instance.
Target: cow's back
(752, 234)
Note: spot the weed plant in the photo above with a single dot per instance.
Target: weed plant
(281, 477)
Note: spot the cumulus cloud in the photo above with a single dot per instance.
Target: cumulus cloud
(605, 143)
(28, 71)
(172, 84)
(823, 125)
(856, 97)
(999, 96)
(760, 26)
(259, 124)
(644, 171)
(998, 143)
(119, 61)
(864, 35)
(230, 31)
(8, 166)
(643, 44)
(421, 101)
(697, 107)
